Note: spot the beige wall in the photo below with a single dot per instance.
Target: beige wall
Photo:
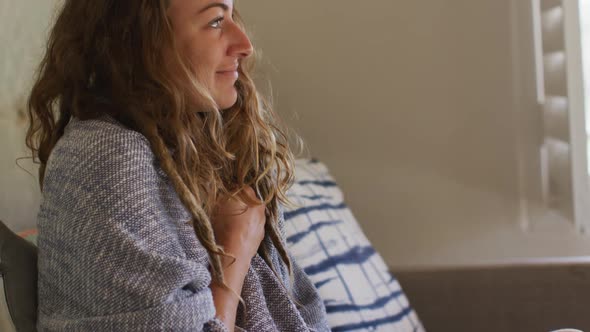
(23, 26)
(411, 104)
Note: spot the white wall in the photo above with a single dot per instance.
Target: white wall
(411, 104)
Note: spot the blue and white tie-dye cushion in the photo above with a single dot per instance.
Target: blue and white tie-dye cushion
(359, 292)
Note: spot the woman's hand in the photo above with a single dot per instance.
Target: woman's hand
(239, 228)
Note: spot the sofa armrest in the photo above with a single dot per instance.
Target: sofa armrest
(533, 296)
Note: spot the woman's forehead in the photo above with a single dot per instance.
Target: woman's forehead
(200, 6)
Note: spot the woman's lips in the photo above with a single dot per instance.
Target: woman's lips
(228, 74)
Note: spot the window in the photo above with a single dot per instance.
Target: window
(585, 34)
(562, 150)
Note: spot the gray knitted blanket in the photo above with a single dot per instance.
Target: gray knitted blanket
(115, 253)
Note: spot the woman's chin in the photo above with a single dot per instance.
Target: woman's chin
(228, 100)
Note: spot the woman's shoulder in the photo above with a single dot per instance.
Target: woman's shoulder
(97, 150)
(102, 138)
(100, 135)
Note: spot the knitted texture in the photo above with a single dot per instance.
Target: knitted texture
(116, 252)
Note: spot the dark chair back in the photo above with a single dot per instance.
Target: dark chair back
(18, 279)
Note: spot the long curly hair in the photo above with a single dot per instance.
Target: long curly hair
(107, 56)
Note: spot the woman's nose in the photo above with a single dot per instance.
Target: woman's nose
(241, 45)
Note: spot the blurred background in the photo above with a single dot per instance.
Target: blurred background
(442, 121)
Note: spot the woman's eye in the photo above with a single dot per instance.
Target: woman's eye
(216, 23)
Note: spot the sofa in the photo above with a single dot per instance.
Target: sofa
(529, 296)
(360, 292)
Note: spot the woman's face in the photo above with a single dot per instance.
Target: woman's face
(213, 42)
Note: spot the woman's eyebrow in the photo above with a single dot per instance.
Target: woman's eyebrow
(215, 4)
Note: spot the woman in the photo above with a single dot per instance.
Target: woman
(163, 173)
